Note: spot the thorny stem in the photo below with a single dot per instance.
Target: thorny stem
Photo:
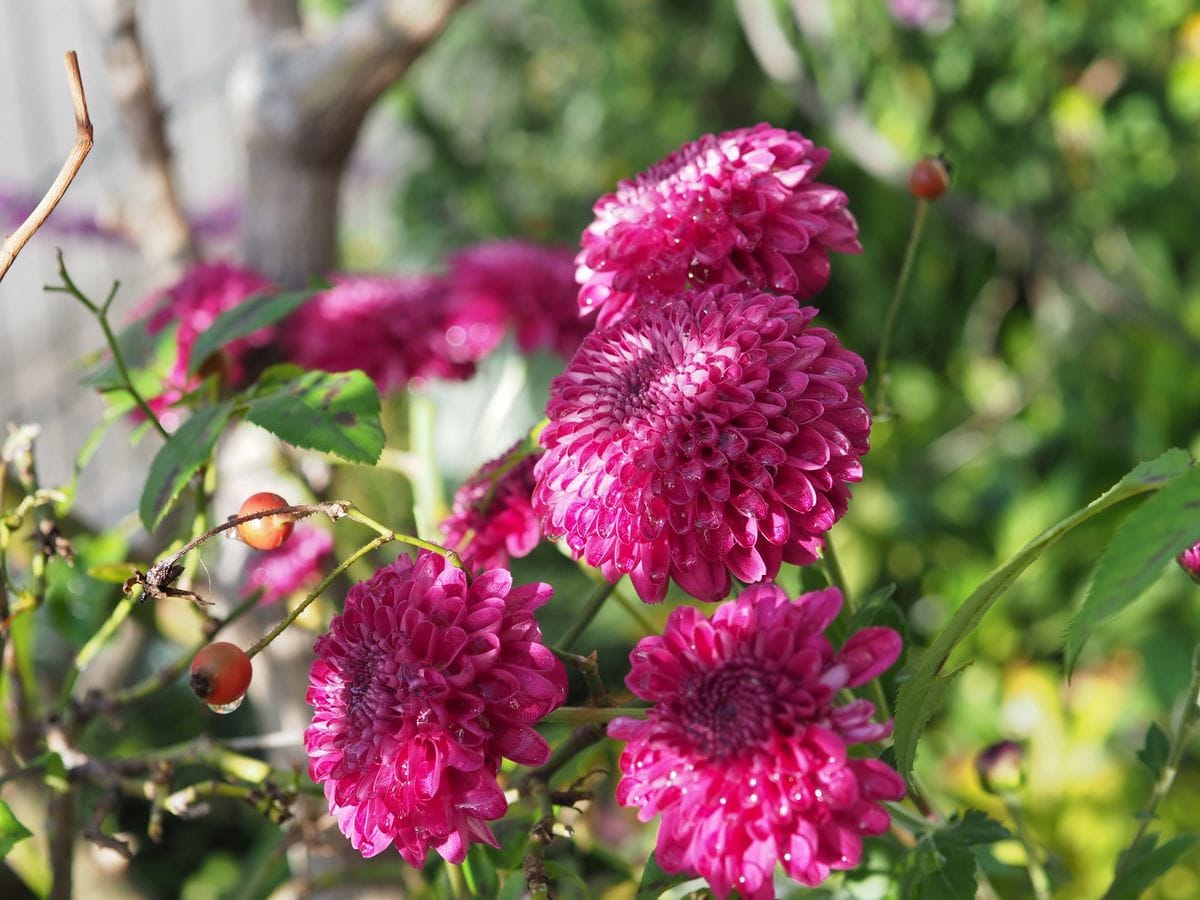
(1188, 718)
(885, 345)
(585, 616)
(100, 313)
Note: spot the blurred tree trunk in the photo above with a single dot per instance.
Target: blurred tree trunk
(300, 103)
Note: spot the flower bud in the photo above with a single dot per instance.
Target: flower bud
(1189, 559)
(1001, 767)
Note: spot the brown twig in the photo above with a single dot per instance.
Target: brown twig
(14, 243)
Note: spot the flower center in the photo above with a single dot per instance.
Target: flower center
(727, 709)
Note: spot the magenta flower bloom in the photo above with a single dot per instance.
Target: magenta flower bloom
(291, 567)
(194, 302)
(533, 287)
(711, 434)
(743, 206)
(1190, 560)
(744, 752)
(492, 519)
(397, 329)
(923, 15)
(422, 685)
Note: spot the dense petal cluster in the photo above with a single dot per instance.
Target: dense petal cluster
(194, 303)
(1190, 560)
(743, 206)
(398, 329)
(709, 434)
(293, 566)
(419, 689)
(743, 753)
(531, 286)
(492, 519)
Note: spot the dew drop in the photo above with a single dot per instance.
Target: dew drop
(225, 709)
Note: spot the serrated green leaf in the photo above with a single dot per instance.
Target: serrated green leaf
(1155, 750)
(1153, 535)
(179, 459)
(943, 864)
(918, 700)
(872, 609)
(335, 413)
(1144, 863)
(12, 831)
(655, 881)
(246, 318)
(975, 828)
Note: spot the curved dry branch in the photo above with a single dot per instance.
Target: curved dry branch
(83, 145)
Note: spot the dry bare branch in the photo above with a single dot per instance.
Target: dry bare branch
(83, 145)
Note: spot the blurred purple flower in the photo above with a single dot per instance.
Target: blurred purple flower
(294, 566)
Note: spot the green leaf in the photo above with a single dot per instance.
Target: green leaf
(1155, 751)
(1144, 863)
(943, 864)
(655, 881)
(1153, 535)
(332, 412)
(184, 453)
(246, 318)
(12, 831)
(920, 695)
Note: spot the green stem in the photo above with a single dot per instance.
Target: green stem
(582, 715)
(97, 641)
(586, 614)
(291, 617)
(101, 315)
(885, 345)
(837, 577)
(1188, 718)
(634, 609)
(428, 502)
(1037, 872)
(357, 515)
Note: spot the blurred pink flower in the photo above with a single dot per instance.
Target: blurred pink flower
(532, 287)
(743, 206)
(743, 753)
(396, 328)
(492, 519)
(195, 302)
(1190, 560)
(924, 15)
(421, 686)
(711, 434)
(294, 566)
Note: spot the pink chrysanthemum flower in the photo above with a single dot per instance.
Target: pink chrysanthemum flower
(533, 287)
(711, 434)
(492, 519)
(1190, 560)
(194, 302)
(397, 329)
(291, 567)
(743, 206)
(744, 752)
(423, 683)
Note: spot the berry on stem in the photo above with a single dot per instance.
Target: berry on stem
(269, 532)
(220, 675)
(930, 177)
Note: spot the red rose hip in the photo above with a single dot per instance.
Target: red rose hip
(930, 177)
(268, 532)
(220, 675)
